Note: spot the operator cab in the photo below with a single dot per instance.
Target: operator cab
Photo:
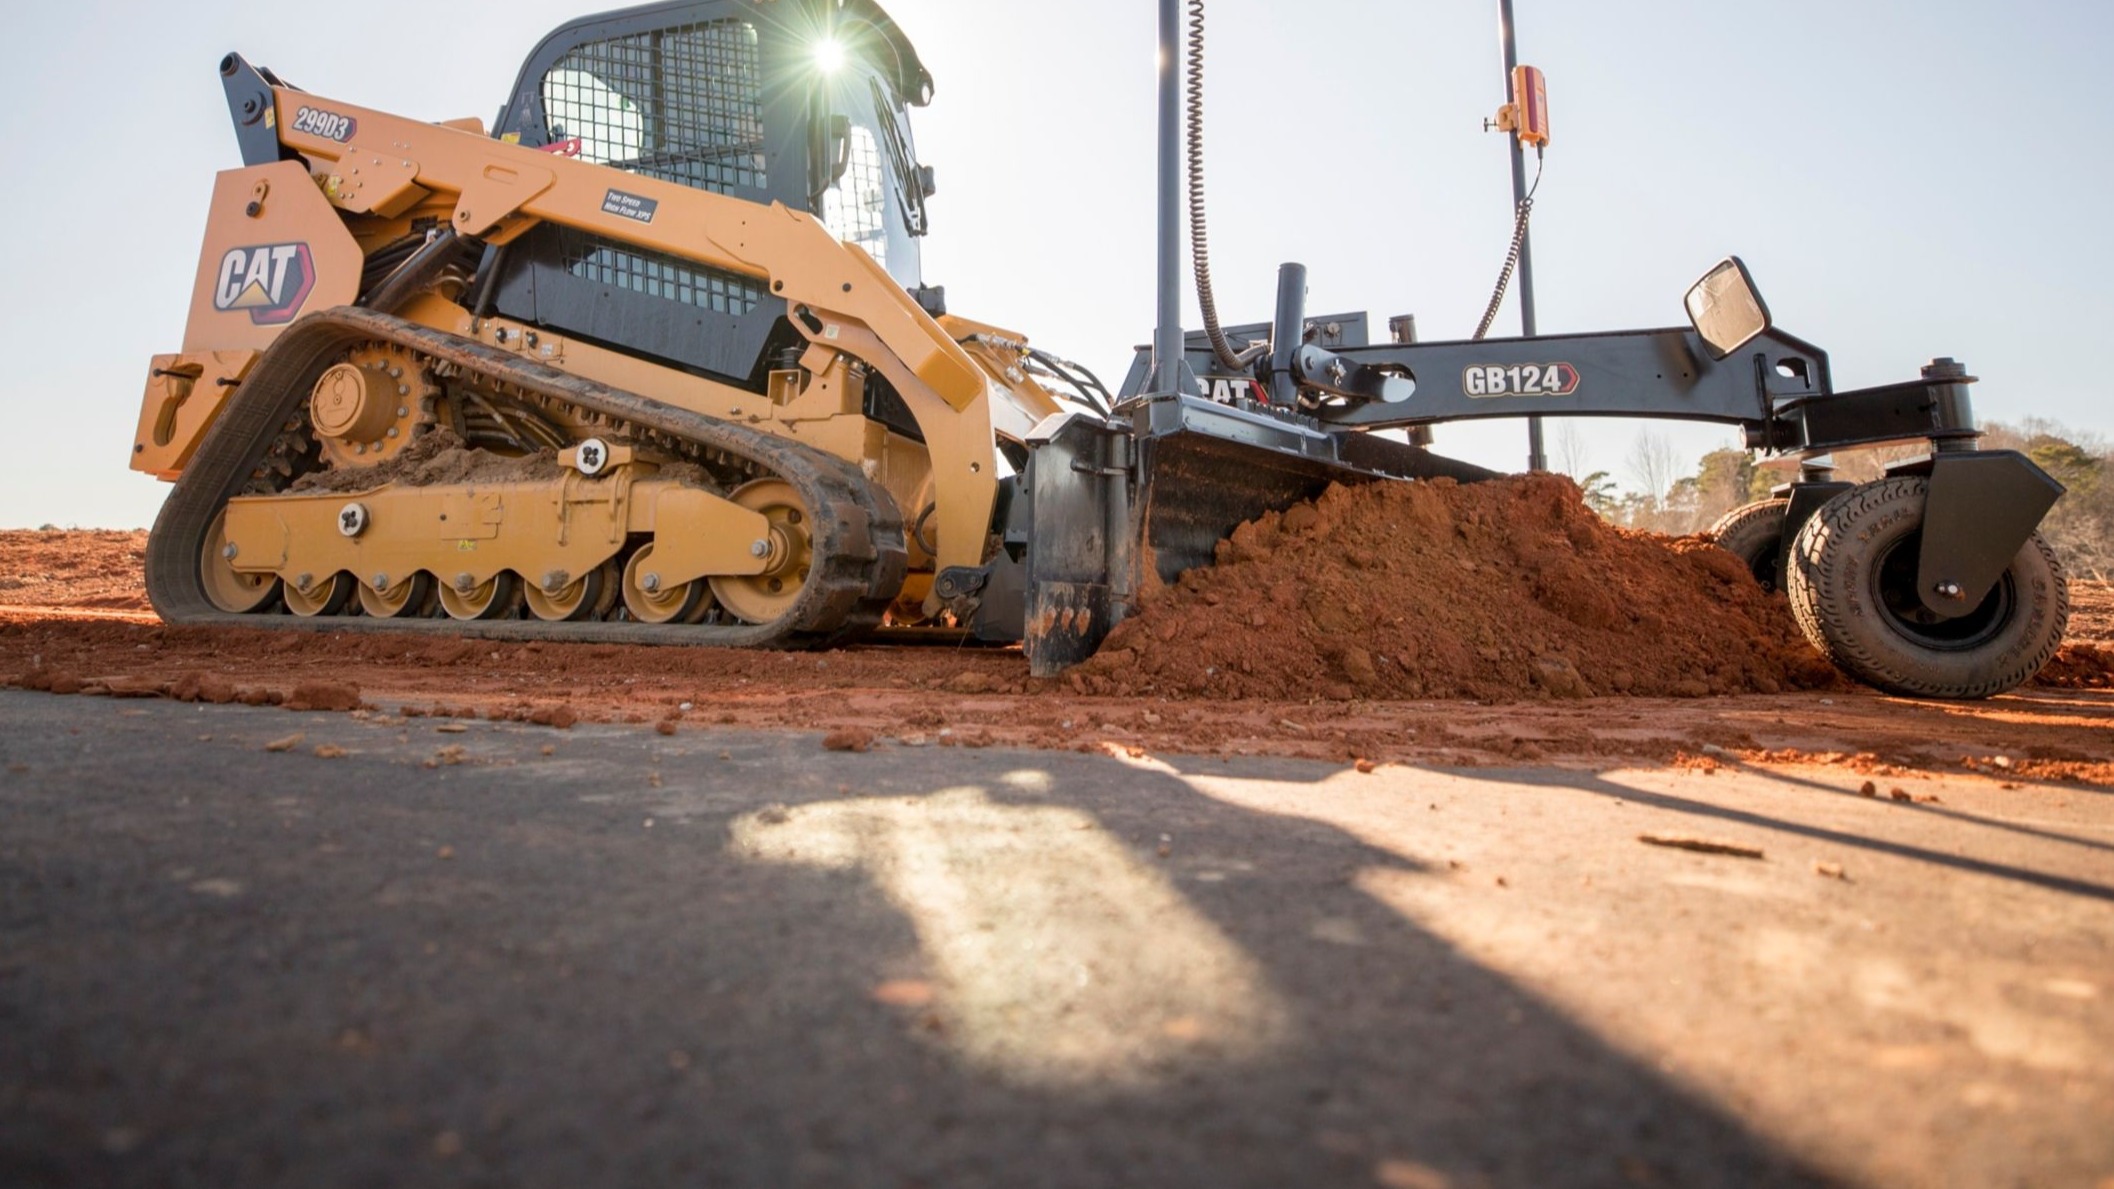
(800, 102)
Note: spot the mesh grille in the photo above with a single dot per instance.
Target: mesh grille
(684, 104)
(592, 258)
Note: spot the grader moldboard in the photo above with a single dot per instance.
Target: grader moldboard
(652, 361)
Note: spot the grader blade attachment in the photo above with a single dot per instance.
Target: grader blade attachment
(1119, 505)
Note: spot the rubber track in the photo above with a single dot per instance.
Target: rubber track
(860, 557)
(1814, 565)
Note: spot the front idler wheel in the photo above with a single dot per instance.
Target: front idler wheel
(1755, 535)
(227, 588)
(1852, 577)
(763, 598)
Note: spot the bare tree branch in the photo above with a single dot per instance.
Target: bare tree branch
(1652, 464)
(1570, 449)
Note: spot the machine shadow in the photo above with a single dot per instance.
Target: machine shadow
(1298, 771)
(606, 987)
(1403, 1054)
(1934, 810)
(1595, 784)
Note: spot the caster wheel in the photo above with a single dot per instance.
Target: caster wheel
(1852, 580)
(1755, 535)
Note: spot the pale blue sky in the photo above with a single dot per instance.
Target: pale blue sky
(1905, 178)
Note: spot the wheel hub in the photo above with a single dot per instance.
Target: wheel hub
(370, 407)
(1895, 585)
(762, 598)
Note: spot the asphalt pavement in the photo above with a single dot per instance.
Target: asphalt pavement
(397, 952)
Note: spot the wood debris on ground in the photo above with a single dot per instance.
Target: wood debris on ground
(1707, 846)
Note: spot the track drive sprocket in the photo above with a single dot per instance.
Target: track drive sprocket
(370, 407)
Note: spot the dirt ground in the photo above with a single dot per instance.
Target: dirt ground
(73, 618)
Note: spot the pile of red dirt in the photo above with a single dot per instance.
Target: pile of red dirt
(2079, 666)
(91, 569)
(1492, 591)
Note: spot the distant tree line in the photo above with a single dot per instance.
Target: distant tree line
(1666, 496)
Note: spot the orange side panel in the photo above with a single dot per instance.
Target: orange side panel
(260, 271)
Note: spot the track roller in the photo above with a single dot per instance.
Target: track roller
(411, 598)
(649, 600)
(496, 598)
(558, 601)
(327, 595)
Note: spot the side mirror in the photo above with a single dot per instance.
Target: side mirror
(1726, 309)
(928, 182)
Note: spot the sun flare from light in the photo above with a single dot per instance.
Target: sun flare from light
(829, 55)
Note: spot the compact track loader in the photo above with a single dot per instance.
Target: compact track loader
(652, 360)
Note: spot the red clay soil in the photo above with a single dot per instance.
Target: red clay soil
(2087, 659)
(81, 570)
(2092, 613)
(1387, 572)
(1506, 589)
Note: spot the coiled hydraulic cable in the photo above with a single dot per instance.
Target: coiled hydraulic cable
(1519, 245)
(1199, 234)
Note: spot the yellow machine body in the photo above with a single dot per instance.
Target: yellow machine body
(303, 235)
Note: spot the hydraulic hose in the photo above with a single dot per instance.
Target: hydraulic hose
(1199, 233)
(414, 273)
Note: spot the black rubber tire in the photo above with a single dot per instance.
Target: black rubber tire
(1755, 535)
(1851, 578)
